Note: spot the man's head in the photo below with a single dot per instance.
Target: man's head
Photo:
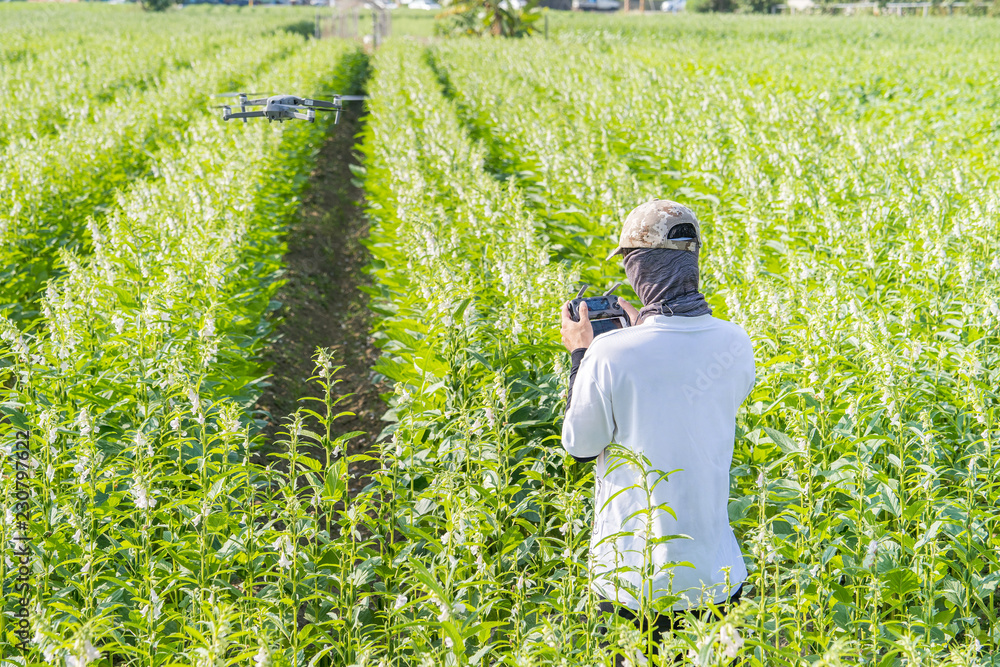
(659, 242)
(660, 224)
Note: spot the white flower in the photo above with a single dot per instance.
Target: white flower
(501, 390)
(284, 546)
(263, 658)
(77, 536)
(154, 608)
(142, 443)
(82, 467)
(400, 602)
(85, 653)
(193, 397)
(449, 642)
(730, 640)
(175, 424)
(49, 421)
(459, 608)
(489, 417)
(209, 329)
(119, 323)
(869, 559)
(83, 423)
(142, 499)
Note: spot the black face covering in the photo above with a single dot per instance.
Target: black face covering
(666, 281)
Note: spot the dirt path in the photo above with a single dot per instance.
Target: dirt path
(322, 304)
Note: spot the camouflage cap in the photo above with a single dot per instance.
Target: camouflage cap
(649, 225)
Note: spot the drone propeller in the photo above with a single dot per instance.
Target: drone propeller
(332, 93)
(352, 98)
(238, 94)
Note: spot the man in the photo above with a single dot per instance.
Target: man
(667, 388)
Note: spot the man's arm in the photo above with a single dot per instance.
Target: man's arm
(576, 358)
(589, 424)
(588, 429)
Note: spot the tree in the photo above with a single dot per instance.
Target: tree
(502, 18)
(157, 5)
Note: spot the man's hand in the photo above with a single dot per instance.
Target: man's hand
(576, 334)
(633, 314)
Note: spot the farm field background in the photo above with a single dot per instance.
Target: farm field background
(845, 174)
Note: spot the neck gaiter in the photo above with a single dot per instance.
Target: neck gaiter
(666, 281)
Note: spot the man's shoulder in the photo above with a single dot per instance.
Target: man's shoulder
(732, 327)
(609, 340)
(609, 345)
(739, 341)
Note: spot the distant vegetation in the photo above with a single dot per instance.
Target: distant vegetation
(845, 173)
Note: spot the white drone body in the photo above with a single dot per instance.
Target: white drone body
(285, 107)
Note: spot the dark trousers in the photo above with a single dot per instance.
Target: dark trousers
(662, 622)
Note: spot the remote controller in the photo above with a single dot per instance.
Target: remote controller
(604, 312)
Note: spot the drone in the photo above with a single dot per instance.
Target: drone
(284, 107)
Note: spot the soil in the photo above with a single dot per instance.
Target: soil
(322, 305)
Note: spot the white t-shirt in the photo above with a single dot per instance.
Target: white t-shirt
(669, 389)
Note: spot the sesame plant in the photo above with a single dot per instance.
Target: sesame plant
(67, 72)
(844, 172)
(157, 537)
(484, 520)
(858, 252)
(51, 183)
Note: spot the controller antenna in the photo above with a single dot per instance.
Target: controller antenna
(579, 295)
(612, 288)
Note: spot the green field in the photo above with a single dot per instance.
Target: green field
(846, 176)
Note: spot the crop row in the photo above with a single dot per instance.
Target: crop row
(63, 81)
(855, 249)
(51, 185)
(157, 537)
(495, 516)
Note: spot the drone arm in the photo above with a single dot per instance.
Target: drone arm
(244, 114)
(304, 116)
(321, 104)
